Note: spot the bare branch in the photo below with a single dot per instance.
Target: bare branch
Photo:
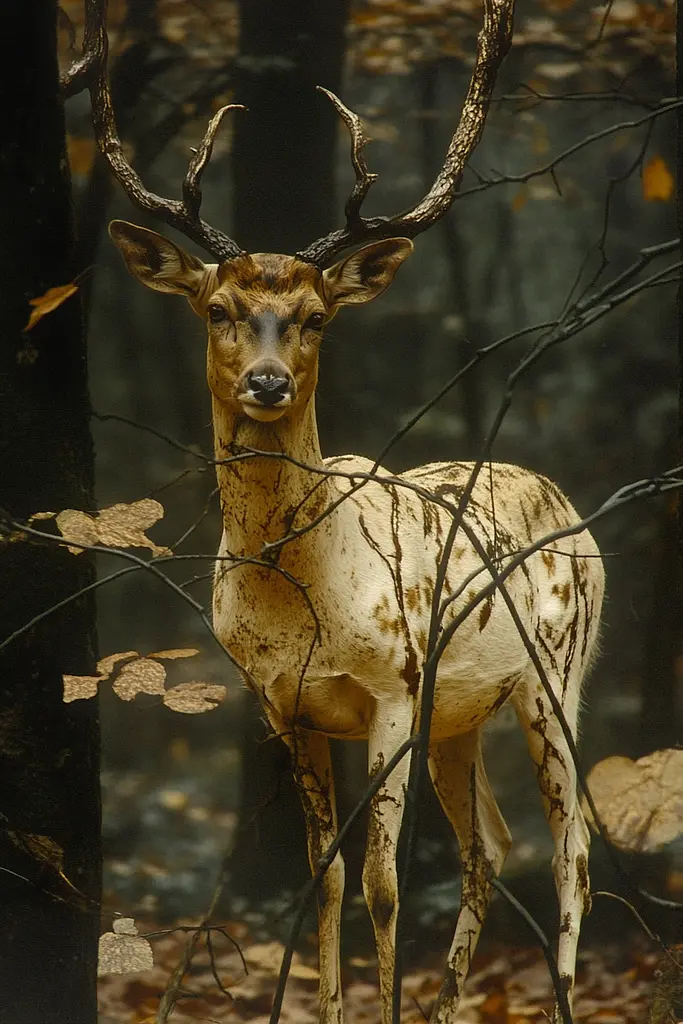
(492, 45)
(183, 215)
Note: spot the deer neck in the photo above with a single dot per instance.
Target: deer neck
(264, 497)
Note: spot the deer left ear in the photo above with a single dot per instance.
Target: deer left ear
(365, 274)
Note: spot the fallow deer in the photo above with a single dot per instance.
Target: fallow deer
(325, 586)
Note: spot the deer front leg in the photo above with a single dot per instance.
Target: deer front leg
(391, 725)
(313, 775)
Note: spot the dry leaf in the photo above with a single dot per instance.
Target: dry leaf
(140, 676)
(84, 687)
(520, 198)
(194, 698)
(658, 182)
(123, 951)
(640, 802)
(80, 687)
(117, 526)
(179, 652)
(106, 665)
(81, 154)
(48, 302)
(124, 525)
(42, 848)
(78, 526)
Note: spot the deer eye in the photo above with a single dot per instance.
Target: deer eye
(217, 314)
(315, 322)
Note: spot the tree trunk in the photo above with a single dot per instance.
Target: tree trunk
(283, 197)
(48, 750)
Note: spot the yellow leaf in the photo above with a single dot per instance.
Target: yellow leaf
(658, 182)
(80, 687)
(179, 652)
(48, 302)
(520, 199)
(81, 154)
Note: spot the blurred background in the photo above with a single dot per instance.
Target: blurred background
(581, 89)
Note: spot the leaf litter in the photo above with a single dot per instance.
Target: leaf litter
(508, 985)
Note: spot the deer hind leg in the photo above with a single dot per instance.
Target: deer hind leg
(459, 778)
(556, 774)
(391, 725)
(313, 775)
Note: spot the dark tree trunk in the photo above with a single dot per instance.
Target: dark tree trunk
(48, 750)
(283, 197)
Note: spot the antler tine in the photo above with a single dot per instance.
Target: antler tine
(183, 215)
(493, 43)
(364, 178)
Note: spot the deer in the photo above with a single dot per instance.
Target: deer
(330, 570)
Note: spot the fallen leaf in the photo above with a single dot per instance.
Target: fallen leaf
(194, 698)
(140, 676)
(47, 303)
(658, 182)
(123, 951)
(640, 802)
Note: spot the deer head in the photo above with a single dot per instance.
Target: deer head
(265, 313)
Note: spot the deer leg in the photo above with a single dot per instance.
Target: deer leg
(459, 778)
(315, 783)
(391, 725)
(556, 776)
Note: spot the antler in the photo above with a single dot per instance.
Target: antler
(492, 45)
(183, 215)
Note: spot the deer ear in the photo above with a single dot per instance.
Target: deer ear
(365, 274)
(157, 262)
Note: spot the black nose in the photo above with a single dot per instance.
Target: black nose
(267, 388)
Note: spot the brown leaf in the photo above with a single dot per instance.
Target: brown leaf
(180, 652)
(123, 951)
(120, 526)
(48, 302)
(194, 698)
(658, 182)
(140, 676)
(640, 802)
(42, 848)
(84, 687)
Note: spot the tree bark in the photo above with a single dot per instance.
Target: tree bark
(49, 751)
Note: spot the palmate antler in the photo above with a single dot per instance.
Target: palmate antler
(492, 45)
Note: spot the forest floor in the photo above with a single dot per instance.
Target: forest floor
(506, 986)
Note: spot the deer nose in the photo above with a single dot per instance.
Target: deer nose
(268, 388)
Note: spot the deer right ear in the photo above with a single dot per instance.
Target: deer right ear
(157, 262)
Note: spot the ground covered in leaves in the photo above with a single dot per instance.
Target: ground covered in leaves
(507, 986)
